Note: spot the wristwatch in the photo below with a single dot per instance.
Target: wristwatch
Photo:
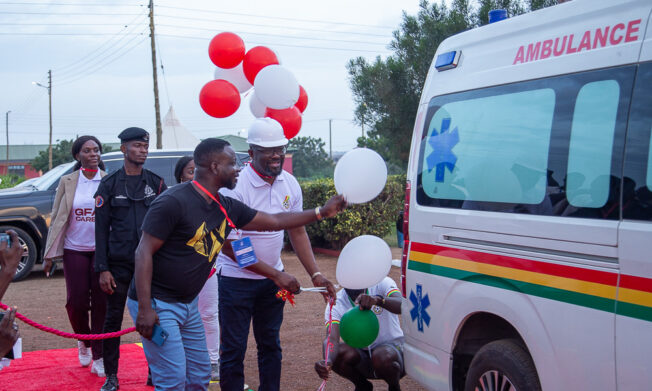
(382, 300)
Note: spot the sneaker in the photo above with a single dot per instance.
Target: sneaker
(215, 372)
(98, 367)
(85, 355)
(111, 383)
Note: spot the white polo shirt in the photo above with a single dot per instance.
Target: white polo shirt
(80, 235)
(283, 195)
(390, 326)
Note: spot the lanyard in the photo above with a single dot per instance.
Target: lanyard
(218, 203)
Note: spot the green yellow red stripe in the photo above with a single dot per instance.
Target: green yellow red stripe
(395, 290)
(575, 285)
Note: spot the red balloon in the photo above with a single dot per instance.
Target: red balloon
(226, 50)
(290, 120)
(256, 59)
(302, 102)
(219, 98)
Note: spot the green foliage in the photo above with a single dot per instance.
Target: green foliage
(61, 153)
(7, 181)
(387, 92)
(309, 158)
(373, 218)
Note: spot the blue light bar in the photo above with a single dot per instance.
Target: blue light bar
(447, 60)
(497, 15)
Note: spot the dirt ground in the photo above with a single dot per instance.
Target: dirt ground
(43, 300)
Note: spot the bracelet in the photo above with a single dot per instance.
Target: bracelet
(382, 298)
(315, 274)
(318, 213)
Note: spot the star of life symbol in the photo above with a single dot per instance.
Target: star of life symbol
(419, 312)
(149, 192)
(442, 143)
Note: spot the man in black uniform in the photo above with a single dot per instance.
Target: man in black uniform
(121, 201)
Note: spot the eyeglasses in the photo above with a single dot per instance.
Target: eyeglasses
(271, 151)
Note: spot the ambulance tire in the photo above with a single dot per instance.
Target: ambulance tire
(500, 362)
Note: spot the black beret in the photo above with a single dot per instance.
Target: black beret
(130, 134)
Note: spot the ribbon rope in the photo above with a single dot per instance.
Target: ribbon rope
(69, 335)
(285, 295)
(329, 344)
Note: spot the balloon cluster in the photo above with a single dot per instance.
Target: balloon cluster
(276, 94)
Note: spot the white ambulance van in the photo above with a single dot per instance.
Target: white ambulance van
(528, 253)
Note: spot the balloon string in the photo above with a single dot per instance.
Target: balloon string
(329, 344)
(69, 335)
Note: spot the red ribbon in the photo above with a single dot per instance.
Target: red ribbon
(285, 295)
(89, 170)
(329, 344)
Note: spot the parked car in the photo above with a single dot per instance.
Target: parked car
(26, 208)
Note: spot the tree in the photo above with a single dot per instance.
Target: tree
(309, 158)
(60, 154)
(387, 92)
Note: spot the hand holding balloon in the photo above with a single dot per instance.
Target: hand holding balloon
(333, 206)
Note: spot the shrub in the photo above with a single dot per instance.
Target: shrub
(372, 218)
(7, 181)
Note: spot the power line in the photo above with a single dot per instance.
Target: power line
(72, 4)
(105, 64)
(55, 34)
(66, 13)
(275, 17)
(283, 44)
(274, 35)
(107, 42)
(272, 26)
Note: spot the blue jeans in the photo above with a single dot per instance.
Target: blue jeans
(182, 362)
(241, 300)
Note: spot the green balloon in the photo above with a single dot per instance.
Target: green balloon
(359, 328)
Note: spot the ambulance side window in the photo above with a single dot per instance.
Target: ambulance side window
(551, 146)
(637, 184)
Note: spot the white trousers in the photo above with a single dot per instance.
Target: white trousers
(209, 315)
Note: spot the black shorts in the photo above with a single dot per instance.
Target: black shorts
(365, 366)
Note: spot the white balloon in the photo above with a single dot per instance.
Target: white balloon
(363, 262)
(256, 106)
(276, 87)
(234, 76)
(360, 175)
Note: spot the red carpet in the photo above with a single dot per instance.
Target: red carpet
(59, 369)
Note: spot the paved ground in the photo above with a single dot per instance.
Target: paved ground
(43, 300)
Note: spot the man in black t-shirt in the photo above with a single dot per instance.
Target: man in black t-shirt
(182, 233)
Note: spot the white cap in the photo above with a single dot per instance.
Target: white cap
(266, 132)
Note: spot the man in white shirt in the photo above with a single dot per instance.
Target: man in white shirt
(249, 293)
(383, 359)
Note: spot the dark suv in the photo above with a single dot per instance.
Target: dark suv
(27, 208)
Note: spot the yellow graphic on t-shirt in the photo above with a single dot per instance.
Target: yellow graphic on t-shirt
(206, 243)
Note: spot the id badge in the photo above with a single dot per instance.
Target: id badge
(244, 252)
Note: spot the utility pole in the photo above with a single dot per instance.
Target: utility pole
(7, 125)
(159, 131)
(49, 88)
(330, 137)
(50, 106)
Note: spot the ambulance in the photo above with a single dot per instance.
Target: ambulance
(527, 262)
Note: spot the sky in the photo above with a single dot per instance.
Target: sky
(100, 57)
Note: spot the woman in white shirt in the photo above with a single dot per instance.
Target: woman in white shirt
(72, 236)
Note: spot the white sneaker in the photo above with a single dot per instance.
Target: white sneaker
(85, 356)
(98, 367)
